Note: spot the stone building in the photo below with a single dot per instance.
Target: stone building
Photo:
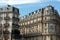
(9, 18)
(42, 24)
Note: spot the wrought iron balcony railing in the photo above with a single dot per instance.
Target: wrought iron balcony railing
(6, 25)
(7, 18)
(6, 32)
(50, 20)
(32, 34)
(15, 26)
(15, 18)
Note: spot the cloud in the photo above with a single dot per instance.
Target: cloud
(18, 1)
(58, 0)
(23, 1)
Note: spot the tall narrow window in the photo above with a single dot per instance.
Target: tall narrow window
(44, 37)
(51, 38)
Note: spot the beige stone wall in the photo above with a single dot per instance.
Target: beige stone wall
(7, 12)
(44, 22)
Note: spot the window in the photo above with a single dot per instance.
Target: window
(44, 37)
(25, 23)
(7, 18)
(32, 29)
(39, 19)
(1, 18)
(34, 20)
(6, 25)
(39, 9)
(46, 12)
(35, 28)
(0, 25)
(31, 21)
(1, 31)
(51, 38)
(29, 14)
(7, 8)
(45, 30)
(27, 30)
(48, 17)
(39, 28)
(44, 18)
(24, 30)
(0, 35)
(36, 38)
(51, 26)
(36, 11)
(45, 24)
(51, 12)
(21, 24)
(51, 29)
(28, 22)
(1, 8)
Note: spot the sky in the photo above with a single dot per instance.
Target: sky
(28, 6)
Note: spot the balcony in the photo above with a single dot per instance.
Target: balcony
(47, 20)
(7, 18)
(48, 33)
(0, 35)
(6, 34)
(15, 26)
(50, 20)
(6, 25)
(15, 33)
(15, 18)
(32, 34)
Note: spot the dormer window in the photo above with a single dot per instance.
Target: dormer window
(32, 13)
(9, 5)
(15, 10)
(6, 25)
(36, 11)
(1, 8)
(7, 18)
(47, 11)
(29, 14)
(7, 8)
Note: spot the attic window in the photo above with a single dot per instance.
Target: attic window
(47, 11)
(9, 5)
(32, 13)
(39, 9)
(7, 8)
(29, 13)
(1, 8)
(36, 11)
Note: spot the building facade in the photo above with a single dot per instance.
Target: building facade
(9, 17)
(42, 24)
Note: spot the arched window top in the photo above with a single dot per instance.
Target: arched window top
(48, 8)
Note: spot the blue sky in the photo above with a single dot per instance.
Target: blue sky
(28, 6)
